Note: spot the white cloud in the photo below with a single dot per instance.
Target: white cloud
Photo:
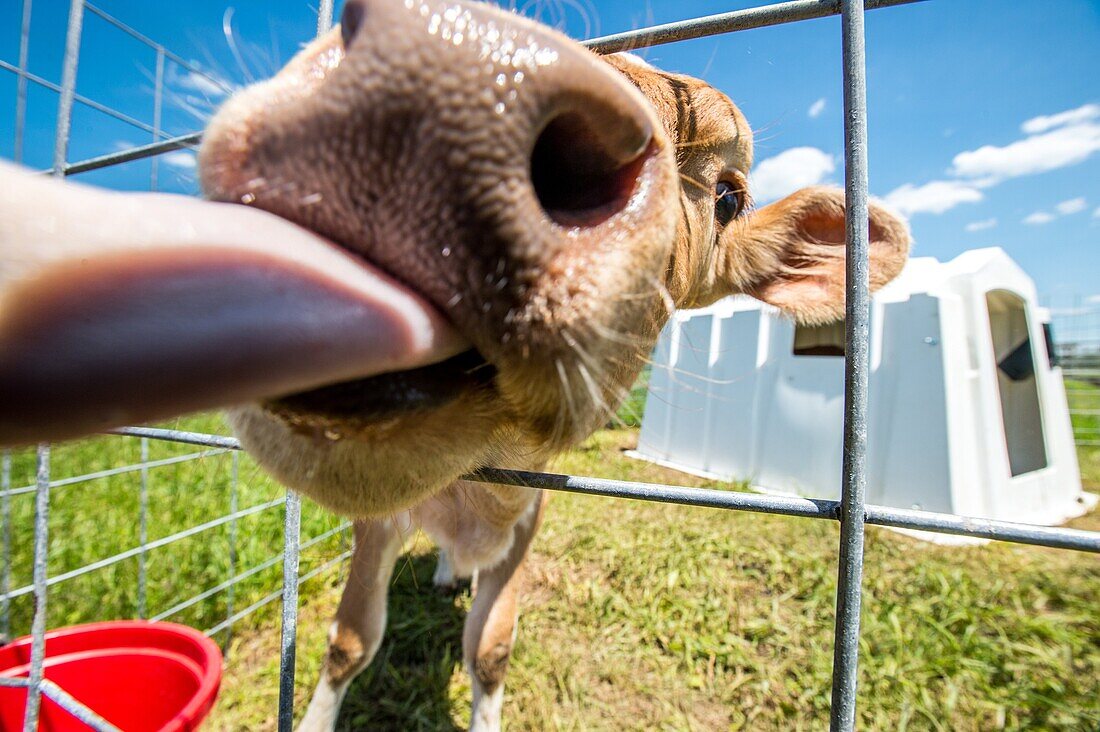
(935, 197)
(1085, 113)
(790, 170)
(1072, 206)
(981, 225)
(1096, 213)
(1058, 148)
(179, 159)
(1053, 141)
(817, 108)
(206, 83)
(1094, 299)
(1039, 217)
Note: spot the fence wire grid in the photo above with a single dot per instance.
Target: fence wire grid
(1083, 364)
(1077, 351)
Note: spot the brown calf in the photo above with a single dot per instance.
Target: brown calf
(530, 213)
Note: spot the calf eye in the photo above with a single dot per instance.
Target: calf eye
(728, 202)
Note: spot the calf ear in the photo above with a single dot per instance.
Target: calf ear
(791, 253)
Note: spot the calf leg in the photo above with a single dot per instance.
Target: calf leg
(356, 632)
(491, 625)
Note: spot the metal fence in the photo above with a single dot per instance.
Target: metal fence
(1077, 351)
(851, 511)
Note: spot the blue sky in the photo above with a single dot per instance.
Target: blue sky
(984, 115)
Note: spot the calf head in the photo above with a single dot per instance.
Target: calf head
(553, 206)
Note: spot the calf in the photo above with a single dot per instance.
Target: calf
(492, 226)
(555, 207)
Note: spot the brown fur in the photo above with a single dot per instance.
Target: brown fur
(345, 656)
(407, 163)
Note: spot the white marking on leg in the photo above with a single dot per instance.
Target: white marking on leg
(324, 707)
(485, 715)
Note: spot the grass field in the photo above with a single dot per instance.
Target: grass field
(635, 616)
(94, 520)
(643, 616)
(1084, 404)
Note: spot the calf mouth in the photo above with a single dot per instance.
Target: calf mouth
(385, 397)
(577, 187)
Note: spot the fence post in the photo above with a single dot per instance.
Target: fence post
(158, 103)
(41, 561)
(5, 571)
(292, 528)
(856, 366)
(68, 87)
(143, 528)
(21, 82)
(42, 488)
(292, 534)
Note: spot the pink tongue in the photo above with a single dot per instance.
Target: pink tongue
(129, 308)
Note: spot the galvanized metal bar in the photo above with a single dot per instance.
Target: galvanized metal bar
(324, 16)
(41, 589)
(856, 370)
(21, 82)
(183, 142)
(277, 594)
(86, 477)
(77, 98)
(235, 580)
(68, 86)
(188, 438)
(292, 537)
(734, 500)
(1050, 536)
(70, 704)
(140, 37)
(233, 496)
(143, 526)
(1086, 541)
(158, 100)
(292, 528)
(5, 571)
(155, 544)
(1054, 537)
(737, 20)
(697, 28)
(127, 29)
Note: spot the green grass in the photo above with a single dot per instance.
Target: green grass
(642, 616)
(93, 520)
(633, 407)
(635, 616)
(1084, 396)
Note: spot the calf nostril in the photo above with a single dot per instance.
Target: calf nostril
(351, 20)
(578, 181)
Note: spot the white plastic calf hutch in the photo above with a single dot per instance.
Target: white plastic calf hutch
(967, 413)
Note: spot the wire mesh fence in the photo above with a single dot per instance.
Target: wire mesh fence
(250, 555)
(1077, 350)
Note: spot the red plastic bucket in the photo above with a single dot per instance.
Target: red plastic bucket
(139, 676)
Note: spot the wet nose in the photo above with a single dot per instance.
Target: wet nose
(578, 130)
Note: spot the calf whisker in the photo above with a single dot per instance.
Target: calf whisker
(231, 41)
